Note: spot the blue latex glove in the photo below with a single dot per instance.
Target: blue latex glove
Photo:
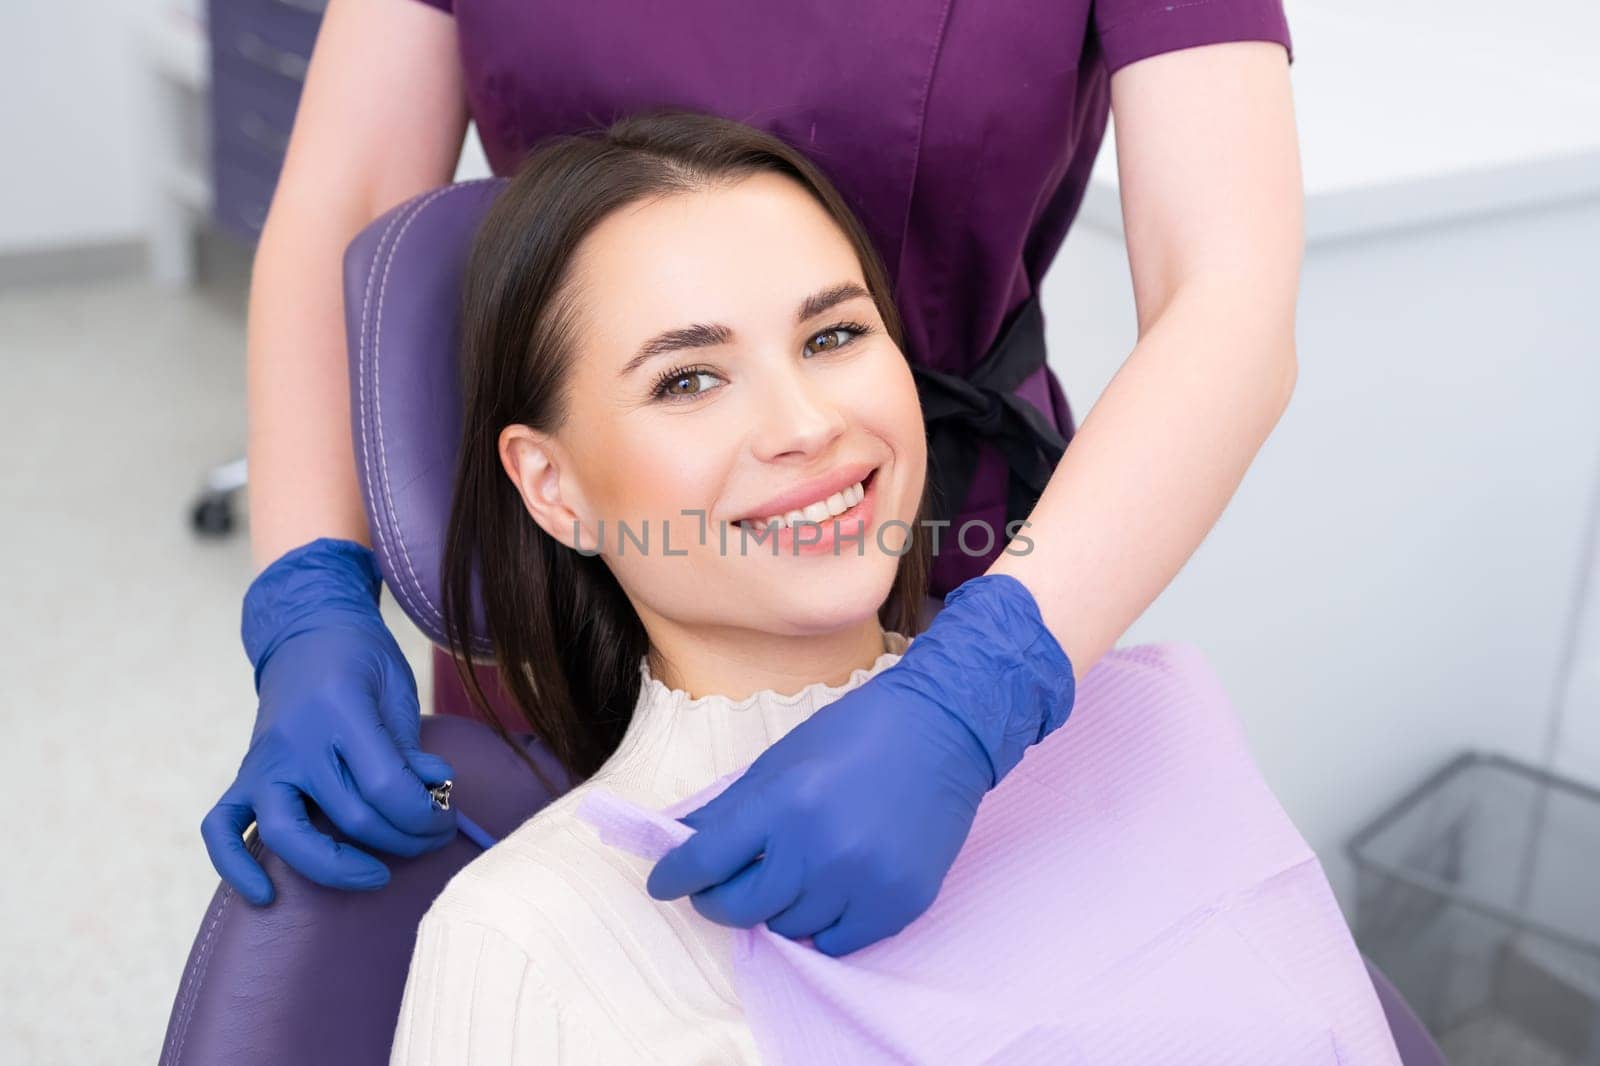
(844, 829)
(338, 722)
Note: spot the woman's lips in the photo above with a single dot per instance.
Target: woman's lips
(853, 523)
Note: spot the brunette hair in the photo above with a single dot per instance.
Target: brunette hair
(565, 638)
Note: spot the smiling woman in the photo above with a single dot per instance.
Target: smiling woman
(689, 423)
(766, 554)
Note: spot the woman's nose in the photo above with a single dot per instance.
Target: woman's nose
(798, 411)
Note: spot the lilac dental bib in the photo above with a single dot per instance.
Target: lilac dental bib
(1131, 893)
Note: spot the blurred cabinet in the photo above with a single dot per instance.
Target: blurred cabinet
(223, 83)
(260, 50)
(223, 80)
(175, 91)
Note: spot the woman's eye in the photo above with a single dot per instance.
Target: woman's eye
(680, 382)
(830, 337)
(671, 384)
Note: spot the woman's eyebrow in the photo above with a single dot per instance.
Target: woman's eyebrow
(708, 335)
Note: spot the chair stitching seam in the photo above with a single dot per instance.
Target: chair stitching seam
(388, 513)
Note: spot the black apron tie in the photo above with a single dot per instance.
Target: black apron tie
(960, 411)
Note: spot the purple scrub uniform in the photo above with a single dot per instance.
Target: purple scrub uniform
(961, 134)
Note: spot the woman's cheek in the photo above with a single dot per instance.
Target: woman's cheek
(898, 418)
(662, 482)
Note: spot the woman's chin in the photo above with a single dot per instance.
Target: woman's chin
(850, 591)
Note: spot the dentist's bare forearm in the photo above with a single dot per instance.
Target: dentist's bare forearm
(301, 458)
(375, 126)
(1152, 466)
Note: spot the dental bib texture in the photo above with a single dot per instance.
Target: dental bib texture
(1131, 893)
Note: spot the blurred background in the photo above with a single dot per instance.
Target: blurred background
(1398, 599)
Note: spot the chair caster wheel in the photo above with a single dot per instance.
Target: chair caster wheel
(212, 516)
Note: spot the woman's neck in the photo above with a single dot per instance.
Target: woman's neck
(735, 663)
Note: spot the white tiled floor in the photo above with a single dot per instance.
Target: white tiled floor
(125, 697)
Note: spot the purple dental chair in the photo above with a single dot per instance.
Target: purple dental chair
(316, 976)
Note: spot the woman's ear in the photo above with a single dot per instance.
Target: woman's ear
(534, 462)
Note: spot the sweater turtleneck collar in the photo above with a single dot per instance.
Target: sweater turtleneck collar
(676, 745)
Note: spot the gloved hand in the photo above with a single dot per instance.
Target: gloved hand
(844, 829)
(338, 722)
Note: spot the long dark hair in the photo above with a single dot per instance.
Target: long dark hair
(565, 637)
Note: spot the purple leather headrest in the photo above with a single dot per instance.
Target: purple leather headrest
(402, 294)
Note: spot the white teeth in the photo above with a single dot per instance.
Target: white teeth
(838, 503)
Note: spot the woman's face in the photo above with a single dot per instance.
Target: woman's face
(729, 364)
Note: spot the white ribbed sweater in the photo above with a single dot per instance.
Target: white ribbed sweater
(548, 950)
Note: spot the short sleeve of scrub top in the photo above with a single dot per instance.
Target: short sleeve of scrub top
(962, 133)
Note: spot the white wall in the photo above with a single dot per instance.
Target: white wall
(1393, 580)
(78, 136)
(1575, 731)
(69, 124)
(1556, 37)
(1396, 578)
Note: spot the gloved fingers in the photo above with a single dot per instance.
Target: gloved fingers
(398, 705)
(855, 929)
(762, 889)
(402, 716)
(223, 831)
(816, 909)
(430, 768)
(731, 832)
(285, 828)
(386, 780)
(335, 792)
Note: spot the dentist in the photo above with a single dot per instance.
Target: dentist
(963, 135)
